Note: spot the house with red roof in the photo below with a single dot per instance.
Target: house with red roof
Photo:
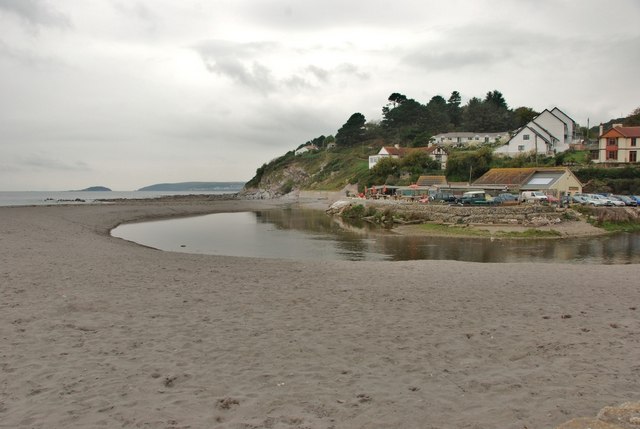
(619, 145)
(435, 152)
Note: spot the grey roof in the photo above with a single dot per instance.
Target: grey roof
(542, 180)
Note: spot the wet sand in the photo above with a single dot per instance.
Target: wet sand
(100, 332)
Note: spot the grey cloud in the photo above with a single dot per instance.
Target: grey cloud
(443, 60)
(44, 162)
(140, 12)
(352, 70)
(320, 73)
(36, 12)
(236, 61)
(27, 58)
(327, 14)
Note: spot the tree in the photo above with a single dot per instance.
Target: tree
(468, 165)
(455, 112)
(384, 168)
(489, 115)
(404, 119)
(352, 132)
(524, 115)
(634, 118)
(437, 115)
(419, 162)
(397, 98)
(496, 99)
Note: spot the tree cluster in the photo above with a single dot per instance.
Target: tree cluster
(407, 122)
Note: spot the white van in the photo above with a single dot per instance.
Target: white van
(533, 197)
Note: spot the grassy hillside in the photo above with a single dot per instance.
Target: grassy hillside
(318, 170)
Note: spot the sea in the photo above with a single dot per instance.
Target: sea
(43, 198)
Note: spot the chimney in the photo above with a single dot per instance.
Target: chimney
(601, 132)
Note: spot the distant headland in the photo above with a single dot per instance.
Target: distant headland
(94, 189)
(195, 187)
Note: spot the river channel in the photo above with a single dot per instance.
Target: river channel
(311, 234)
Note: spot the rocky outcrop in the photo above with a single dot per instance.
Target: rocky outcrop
(280, 182)
(625, 416)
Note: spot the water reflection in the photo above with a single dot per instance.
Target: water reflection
(311, 234)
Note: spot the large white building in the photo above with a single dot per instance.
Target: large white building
(551, 132)
(469, 138)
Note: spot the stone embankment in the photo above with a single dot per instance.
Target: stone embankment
(403, 212)
(532, 215)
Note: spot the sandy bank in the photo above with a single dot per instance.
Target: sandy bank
(100, 332)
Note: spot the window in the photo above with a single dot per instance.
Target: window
(612, 154)
(486, 139)
(633, 156)
(525, 137)
(459, 140)
(634, 141)
(611, 142)
(521, 148)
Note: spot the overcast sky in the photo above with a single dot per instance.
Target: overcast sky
(126, 93)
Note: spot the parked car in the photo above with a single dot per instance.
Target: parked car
(506, 199)
(446, 197)
(475, 198)
(577, 199)
(591, 200)
(552, 199)
(533, 197)
(614, 201)
(627, 200)
(636, 197)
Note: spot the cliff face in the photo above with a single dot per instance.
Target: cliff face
(322, 170)
(277, 182)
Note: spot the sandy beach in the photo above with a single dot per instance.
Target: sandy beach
(100, 332)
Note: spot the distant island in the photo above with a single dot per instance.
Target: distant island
(195, 187)
(94, 189)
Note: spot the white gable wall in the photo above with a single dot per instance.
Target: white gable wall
(571, 124)
(558, 129)
(520, 144)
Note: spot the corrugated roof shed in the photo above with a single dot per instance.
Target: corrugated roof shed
(504, 176)
(432, 181)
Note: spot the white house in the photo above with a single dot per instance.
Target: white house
(306, 148)
(435, 152)
(469, 138)
(551, 132)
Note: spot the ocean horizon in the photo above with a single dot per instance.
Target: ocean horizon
(43, 198)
